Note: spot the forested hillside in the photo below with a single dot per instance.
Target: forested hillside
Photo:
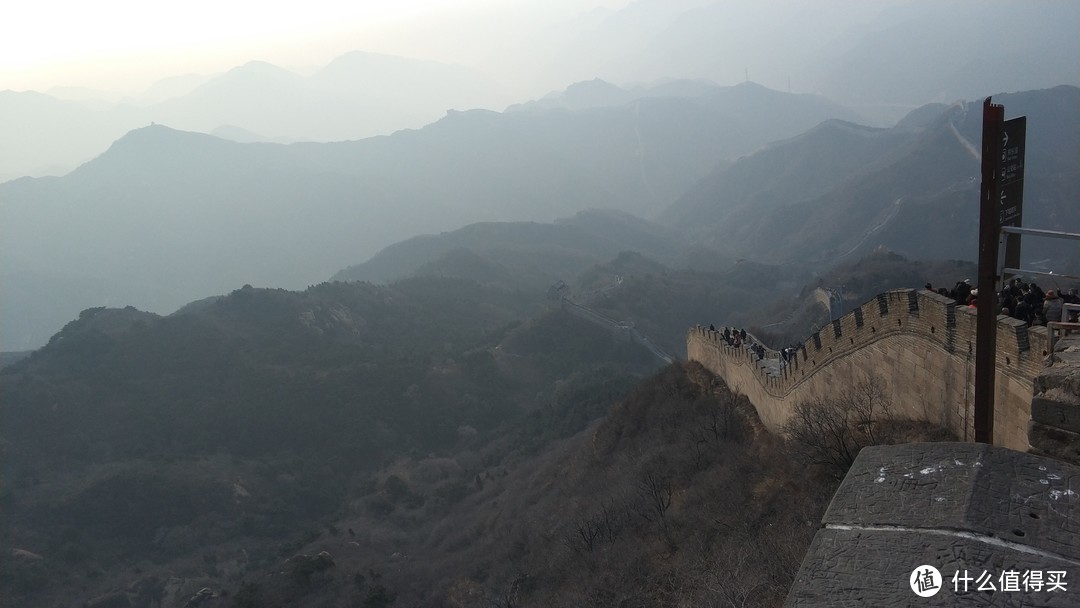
(250, 419)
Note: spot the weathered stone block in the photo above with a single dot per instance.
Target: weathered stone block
(1057, 408)
(955, 506)
(964, 486)
(1068, 357)
(1055, 442)
(1063, 377)
(859, 568)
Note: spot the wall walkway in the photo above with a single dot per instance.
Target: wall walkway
(920, 343)
(621, 329)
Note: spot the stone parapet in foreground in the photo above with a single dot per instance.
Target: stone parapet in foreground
(959, 507)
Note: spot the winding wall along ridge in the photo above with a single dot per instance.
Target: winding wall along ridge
(619, 328)
(920, 343)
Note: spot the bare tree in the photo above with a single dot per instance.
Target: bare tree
(736, 578)
(604, 525)
(656, 492)
(583, 535)
(510, 598)
(832, 431)
(870, 406)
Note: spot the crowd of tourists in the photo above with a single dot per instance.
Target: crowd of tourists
(1019, 299)
(738, 338)
(733, 337)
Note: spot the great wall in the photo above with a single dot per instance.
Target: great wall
(962, 507)
(922, 345)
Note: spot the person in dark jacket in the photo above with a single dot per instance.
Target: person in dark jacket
(1024, 310)
(961, 291)
(1039, 294)
(1008, 302)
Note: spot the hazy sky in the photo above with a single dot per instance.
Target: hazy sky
(127, 44)
(900, 52)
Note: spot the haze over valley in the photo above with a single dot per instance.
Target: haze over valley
(387, 304)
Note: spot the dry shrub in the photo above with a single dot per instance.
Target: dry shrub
(831, 431)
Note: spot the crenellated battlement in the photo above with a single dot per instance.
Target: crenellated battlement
(920, 343)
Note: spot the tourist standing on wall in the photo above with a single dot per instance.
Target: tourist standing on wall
(1052, 306)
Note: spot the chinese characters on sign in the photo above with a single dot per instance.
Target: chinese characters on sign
(1011, 172)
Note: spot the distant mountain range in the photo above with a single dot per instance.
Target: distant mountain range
(527, 255)
(864, 54)
(354, 96)
(178, 216)
(860, 55)
(840, 190)
(842, 178)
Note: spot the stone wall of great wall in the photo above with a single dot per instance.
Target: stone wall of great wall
(921, 344)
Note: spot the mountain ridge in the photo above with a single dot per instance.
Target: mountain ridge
(292, 215)
(887, 186)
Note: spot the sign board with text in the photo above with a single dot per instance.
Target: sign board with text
(1011, 172)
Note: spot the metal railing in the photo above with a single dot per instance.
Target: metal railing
(1053, 234)
(1052, 327)
(1064, 324)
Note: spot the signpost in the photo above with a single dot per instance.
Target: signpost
(1001, 203)
(1011, 185)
